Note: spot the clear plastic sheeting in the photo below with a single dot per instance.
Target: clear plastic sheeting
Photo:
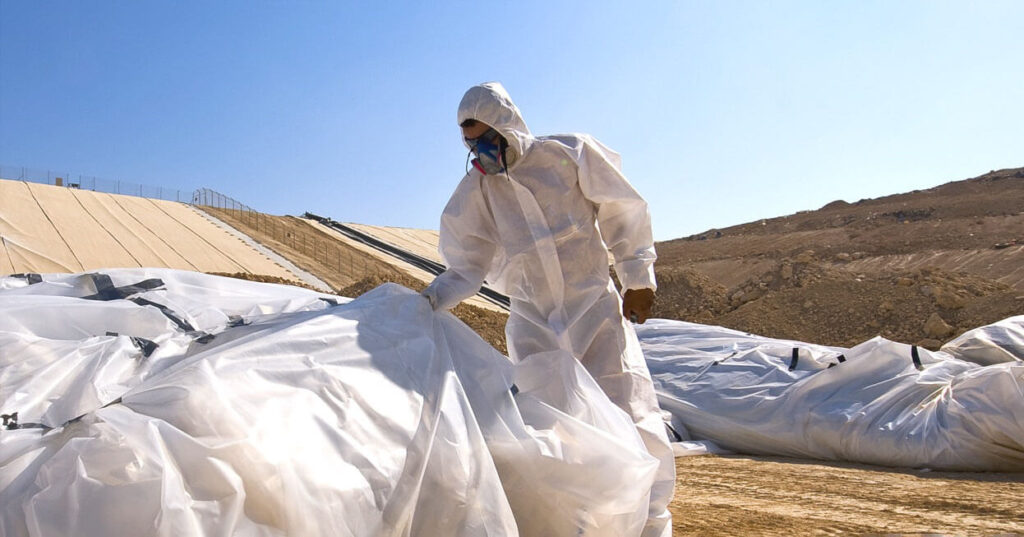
(880, 402)
(993, 344)
(161, 402)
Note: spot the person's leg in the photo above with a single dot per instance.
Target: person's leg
(614, 358)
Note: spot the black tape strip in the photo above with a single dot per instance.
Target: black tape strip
(796, 358)
(30, 277)
(841, 358)
(331, 301)
(203, 337)
(10, 422)
(916, 357)
(147, 346)
(198, 335)
(182, 323)
(105, 289)
(514, 389)
(673, 432)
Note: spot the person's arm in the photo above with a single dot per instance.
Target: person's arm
(466, 245)
(625, 225)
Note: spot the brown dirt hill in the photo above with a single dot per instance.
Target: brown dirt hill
(849, 271)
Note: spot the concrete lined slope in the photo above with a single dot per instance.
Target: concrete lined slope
(422, 242)
(145, 247)
(54, 229)
(90, 243)
(30, 240)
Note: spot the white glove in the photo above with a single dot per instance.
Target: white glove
(429, 295)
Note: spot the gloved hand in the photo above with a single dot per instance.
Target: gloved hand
(637, 304)
(428, 294)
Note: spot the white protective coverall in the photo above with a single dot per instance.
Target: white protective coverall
(541, 234)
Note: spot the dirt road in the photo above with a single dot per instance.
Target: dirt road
(743, 495)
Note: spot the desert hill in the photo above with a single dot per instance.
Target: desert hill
(918, 267)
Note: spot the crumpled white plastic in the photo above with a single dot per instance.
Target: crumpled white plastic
(874, 403)
(271, 410)
(992, 344)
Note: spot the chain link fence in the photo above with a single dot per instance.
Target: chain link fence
(262, 226)
(90, 182)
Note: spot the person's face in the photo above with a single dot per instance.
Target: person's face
(475, 130)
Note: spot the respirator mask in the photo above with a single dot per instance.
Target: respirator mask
(489, 149)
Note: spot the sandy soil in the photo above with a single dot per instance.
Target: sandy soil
(741, 495)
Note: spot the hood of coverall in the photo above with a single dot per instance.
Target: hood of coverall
(490, 103)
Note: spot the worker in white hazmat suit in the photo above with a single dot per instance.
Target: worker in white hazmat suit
(536, 218)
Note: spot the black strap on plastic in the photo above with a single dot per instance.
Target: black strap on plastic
(916, 357)
(10, 422)
(30, 277)
(105, 289)
(145, 345)
(716, 362)
(796, 358)
(673, 433)
(182, 323)
(202, 337)
(331, 301)
(198, 335)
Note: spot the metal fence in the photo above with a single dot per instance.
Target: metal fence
(91, 182)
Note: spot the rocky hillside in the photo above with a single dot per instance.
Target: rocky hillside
(919, 267)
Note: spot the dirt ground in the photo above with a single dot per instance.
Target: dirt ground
(743, 495)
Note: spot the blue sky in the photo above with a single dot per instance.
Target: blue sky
(724, 112)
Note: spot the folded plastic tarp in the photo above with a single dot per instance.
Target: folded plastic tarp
(996, 343)
(161, 402)
(880, 402)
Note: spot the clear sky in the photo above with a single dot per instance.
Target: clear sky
(724, 112)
